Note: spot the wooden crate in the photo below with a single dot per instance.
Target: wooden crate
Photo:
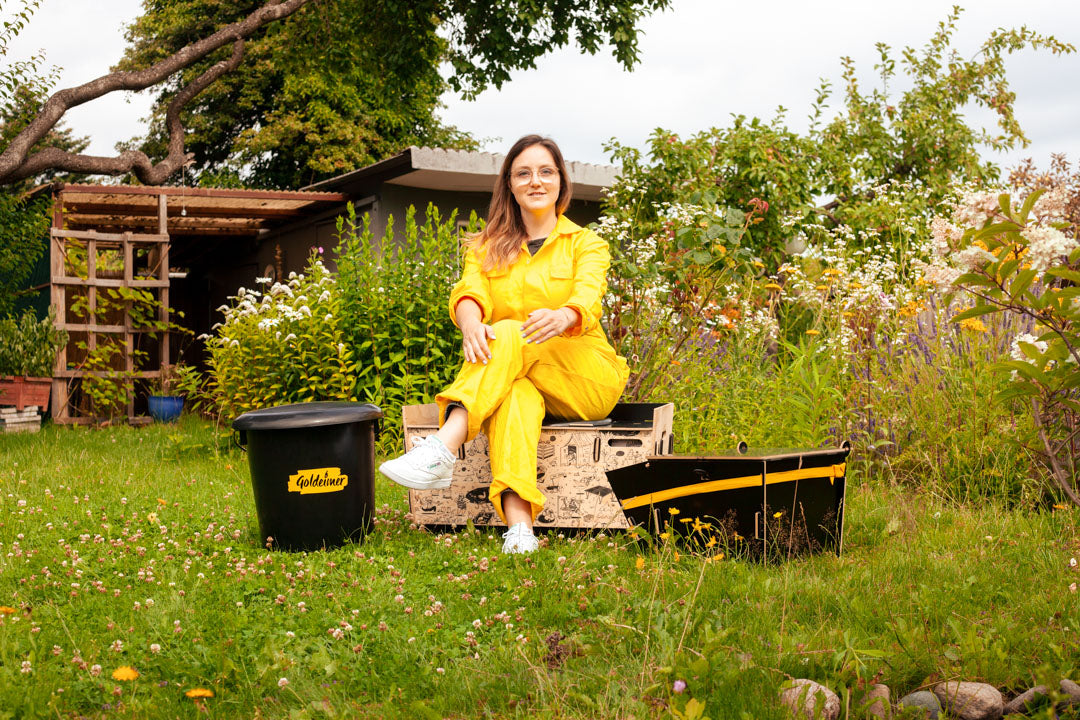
(571, 469)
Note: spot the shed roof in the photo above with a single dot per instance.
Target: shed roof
(457, 170)
(190, 211)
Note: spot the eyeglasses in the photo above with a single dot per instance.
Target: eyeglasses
(524, 176)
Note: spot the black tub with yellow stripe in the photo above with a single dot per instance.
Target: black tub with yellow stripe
(779, 501)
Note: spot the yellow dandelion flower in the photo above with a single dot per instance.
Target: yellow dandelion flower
(778, 514)
(711, 543)
(772, 286)
(125, 673)
(673, 511)
(664, 535)
(813, 332)
(822, 288)
(7, 610)
(1057, 506)
(758, 264)
(831, 271)
(162, 501)
(639, 563)
(686, 520)
(855, 285)
(199, 693)
(676, 557)
(719, 556)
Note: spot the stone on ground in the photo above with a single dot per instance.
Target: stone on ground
(810, 700)
(970, 700)
(1019, 704)
(923, 699)
(876, 702)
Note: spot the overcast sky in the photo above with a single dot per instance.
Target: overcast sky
(700, 63)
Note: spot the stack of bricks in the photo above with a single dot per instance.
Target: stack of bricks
(26, 420)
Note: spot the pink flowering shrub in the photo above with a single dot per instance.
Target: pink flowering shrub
(1023, 258)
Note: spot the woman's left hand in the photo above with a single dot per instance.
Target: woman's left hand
(544, 324)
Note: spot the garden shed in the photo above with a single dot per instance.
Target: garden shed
(192, 248)
(173, 244)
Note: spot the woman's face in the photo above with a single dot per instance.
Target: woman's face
(534, 180)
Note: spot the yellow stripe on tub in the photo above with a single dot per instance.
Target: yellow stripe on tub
(831, 472)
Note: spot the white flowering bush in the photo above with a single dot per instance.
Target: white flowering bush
(282, 343)
(1023, 259)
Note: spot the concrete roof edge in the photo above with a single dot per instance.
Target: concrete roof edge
(484, 163)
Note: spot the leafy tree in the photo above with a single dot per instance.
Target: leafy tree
(24, 222)
(919, 142)
(343, 83)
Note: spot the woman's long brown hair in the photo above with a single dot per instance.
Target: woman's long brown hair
(502, 234)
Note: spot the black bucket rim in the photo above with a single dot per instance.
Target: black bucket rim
(307, 414)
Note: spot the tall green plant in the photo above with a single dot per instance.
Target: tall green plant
(394, 311)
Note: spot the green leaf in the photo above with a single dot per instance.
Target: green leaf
(1064, 274)
(976, 311)
(975, 279)
(1022, 282)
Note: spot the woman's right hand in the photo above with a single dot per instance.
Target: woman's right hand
(474, 337)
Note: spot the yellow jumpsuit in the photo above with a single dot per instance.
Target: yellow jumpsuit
(575, 376)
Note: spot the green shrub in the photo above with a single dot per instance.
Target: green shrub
(29, 346)
(394, 314)
(378, 332)
(24, 233)
(1023, 260)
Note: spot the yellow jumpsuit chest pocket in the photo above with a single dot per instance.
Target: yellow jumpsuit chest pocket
(559, 282)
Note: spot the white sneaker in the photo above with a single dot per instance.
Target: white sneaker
(519, 539)
(428, 466)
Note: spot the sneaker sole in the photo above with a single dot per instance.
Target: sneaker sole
(414, 484)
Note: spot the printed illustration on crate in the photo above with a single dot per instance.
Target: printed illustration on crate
(526, 434)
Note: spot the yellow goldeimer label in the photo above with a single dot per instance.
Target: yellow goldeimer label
(318, 480)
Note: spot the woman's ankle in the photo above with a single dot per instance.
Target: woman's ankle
(455, 429)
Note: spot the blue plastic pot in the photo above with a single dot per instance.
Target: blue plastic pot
(165, 408)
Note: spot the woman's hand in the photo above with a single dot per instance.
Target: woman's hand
(544, 324)
(474, 337)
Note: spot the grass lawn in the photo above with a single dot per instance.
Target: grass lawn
(140, 548)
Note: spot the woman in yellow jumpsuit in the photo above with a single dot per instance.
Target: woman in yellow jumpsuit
(528, 307)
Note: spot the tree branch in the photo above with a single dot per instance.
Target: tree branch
(16, 163)
(1056, 470)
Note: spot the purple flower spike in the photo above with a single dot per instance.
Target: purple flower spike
(679, 686)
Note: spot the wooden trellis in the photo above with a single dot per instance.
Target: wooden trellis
(64, 287)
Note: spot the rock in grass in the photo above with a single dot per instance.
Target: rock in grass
(810, 700)
(876, 702)
(1021, 702)
(923, 699)
(970, 700)
(1072, 690)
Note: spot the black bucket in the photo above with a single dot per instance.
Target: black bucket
(312, 471)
